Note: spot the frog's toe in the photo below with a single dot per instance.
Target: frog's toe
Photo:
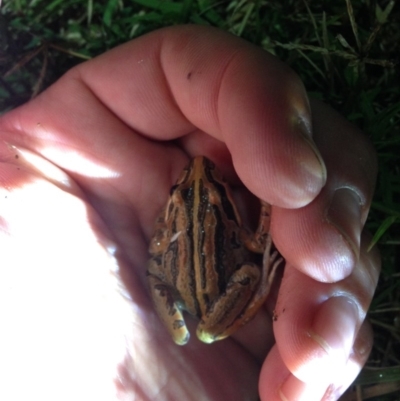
(180, 333)
(205, 337)
(208, 337)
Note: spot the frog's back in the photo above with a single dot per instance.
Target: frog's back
(205, 241)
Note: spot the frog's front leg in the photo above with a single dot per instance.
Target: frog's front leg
(245, 293)
(168, 310)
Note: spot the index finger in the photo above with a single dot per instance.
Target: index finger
(166, 84)
(234, 91)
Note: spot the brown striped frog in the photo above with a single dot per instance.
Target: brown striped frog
(203, 261)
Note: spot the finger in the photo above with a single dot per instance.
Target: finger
(322, 239)
(277, 383)
(166, 84)
(358, 357)
(317, 323)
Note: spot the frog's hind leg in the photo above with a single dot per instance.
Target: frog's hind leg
(168, 310)
(245, 293)
(223, 313)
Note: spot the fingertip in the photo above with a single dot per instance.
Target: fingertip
(310, 242)
(311, 160)
(363, 343)
(358, 357)
(307, 159)
(333, 330)
(294, 389)
(273, 374)
(277, 383)
(265, 119)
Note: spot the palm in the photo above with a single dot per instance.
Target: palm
(220, 371)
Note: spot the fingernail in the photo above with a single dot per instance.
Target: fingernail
(364, 342)
(315, 164)
(295, 389)
(344, 214)
(334, 328)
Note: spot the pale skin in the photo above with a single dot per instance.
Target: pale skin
(116, 132)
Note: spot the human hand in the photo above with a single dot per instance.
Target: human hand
(87, 166)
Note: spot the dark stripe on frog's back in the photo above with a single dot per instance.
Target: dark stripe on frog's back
(200, 215)
(172, 253)
(185, 280)
(219, 246)
(207, 220)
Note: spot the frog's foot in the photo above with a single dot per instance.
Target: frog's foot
(168, 310)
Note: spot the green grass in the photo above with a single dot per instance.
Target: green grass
(346, 52)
